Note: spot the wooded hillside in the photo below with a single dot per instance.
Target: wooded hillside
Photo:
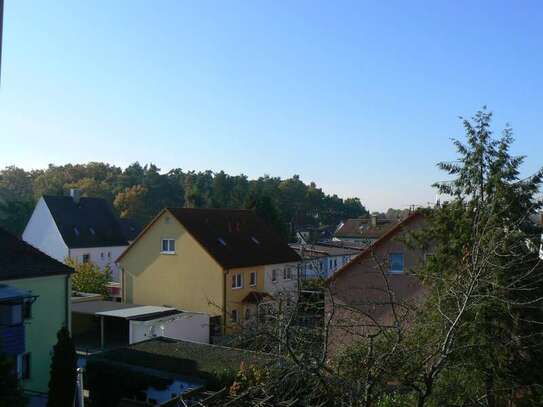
(139, 192)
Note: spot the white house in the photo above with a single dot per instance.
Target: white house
(83, 229)
(322, 260)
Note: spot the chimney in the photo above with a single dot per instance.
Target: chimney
(75, 194)
(373, 218)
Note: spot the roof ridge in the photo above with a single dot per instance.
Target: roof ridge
(378, 242)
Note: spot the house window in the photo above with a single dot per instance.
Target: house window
(330, 264)
(168, 246)
(234, 315)
(335, 263)
(287, 273)
(109, 253)
(247, 314)
(11, 314)
(252, 278)
(27, 309)
(23, 366)
(274, 275)
(395, 262)
(102, 255)
(85, 258)
(237, 280)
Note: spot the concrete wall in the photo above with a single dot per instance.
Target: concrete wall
(189, 279)
(50, 312)
(188, 326)
(42, 233)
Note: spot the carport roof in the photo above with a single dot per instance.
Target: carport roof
(94, 307)
(117, 310)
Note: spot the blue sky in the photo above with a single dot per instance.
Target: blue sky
(360, 97)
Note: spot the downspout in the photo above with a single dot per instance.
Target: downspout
(68, 302)
(224, 302)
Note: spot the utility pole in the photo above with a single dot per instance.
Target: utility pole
(1, 29)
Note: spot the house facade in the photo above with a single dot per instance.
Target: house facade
(219, 261)
(83, 229)
(360, 300)
(34, 304)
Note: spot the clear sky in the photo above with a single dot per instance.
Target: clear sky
(361, 97)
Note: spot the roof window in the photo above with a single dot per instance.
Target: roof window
(91, 230)
(76, 231)
(255, 240)
(221, 241)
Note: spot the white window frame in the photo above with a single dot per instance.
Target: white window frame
(252, 282)
(390, 270)
(287, 273)
(237, 281)
(168, 245)
(274, 276)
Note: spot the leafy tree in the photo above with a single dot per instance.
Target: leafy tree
(267, 210)
(15, 214)
(11, 394)
(63, 374)
(89, 278)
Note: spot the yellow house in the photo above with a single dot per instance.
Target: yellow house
(220, 261)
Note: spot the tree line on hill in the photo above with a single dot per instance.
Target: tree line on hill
(141, 191)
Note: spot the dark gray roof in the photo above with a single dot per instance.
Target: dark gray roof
(18, 260)
(235, 237)
(131, 229)
(89, 223)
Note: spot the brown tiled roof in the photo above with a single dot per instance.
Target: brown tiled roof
(233, 237)
(18, 260)
(255, 297)
(364, 229)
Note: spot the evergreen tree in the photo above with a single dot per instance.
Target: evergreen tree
(484, 310)
(11, 394)
(63, 371)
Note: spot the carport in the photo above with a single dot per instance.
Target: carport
(105, 324)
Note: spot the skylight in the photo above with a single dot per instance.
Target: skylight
(76, 231)
(221, 241)
(255, 240)
(92, 231)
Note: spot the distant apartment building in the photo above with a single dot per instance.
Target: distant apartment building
(365, 231)
(223, 262)
(80, 228)
(34, 304)
(322, 260)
